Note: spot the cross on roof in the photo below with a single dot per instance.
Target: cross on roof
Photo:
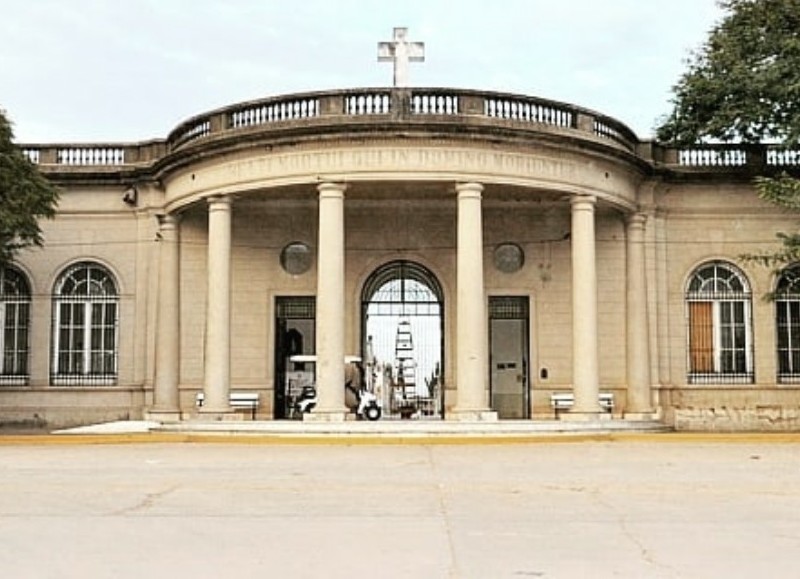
(401, 52)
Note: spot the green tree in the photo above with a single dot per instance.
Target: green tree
(26, 196)
(743, 86)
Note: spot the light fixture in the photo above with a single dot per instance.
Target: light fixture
(131, 195)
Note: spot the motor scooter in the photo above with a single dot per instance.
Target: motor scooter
(367, 405)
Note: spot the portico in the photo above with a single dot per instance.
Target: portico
(467, 389)
(454, 174)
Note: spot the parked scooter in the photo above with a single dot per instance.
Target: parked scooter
(306, 401)
(367, 405)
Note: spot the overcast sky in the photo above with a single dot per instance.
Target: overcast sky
(118, 71)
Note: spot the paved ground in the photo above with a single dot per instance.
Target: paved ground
(636, 506)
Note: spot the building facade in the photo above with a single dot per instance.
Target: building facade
(480, 252)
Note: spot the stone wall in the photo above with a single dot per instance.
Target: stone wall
(725, 410)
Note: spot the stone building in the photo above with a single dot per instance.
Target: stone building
(481, 253)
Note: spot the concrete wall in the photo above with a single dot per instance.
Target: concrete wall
(708, 222)
(95, 225)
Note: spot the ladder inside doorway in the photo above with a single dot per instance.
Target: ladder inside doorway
(404, 358)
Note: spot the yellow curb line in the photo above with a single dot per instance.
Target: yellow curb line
(287, 439)
(376, 440)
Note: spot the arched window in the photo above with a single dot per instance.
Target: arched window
(15, 308)
(787, 321)
(85, 317)
(718, 305)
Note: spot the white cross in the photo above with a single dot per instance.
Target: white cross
(401, 53)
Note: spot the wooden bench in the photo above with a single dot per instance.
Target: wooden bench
(561, 401)
(249, 400)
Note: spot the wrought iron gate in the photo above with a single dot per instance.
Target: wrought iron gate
(402, 330)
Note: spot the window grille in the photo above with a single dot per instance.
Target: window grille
(296, 307)
(508, 308)
(718, 309)
(787, 323)
(85, 327)
(15, 304)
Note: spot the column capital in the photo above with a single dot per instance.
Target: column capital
(583, 201)
(637, 220)
(168, 220)
(331, 189)
(219, 202)
(469, 189)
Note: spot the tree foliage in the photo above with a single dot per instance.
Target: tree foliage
(26, 196)
(743, 85)
(783, 191)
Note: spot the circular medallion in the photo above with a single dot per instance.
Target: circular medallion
(508, 257)
(296, 258)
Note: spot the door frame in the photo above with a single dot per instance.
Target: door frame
(513, 307)
(303, 307)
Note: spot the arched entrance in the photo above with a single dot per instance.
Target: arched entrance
(402, 322)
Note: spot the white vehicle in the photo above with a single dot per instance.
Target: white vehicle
(367, 405)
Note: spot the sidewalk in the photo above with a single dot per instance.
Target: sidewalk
(617, 505)
(380, 433)
(383, 430)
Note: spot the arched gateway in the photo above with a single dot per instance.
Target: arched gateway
(402, 321)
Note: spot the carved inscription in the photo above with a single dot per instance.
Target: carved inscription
(567, 173)
(430, 161)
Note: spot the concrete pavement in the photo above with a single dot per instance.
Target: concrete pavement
(610, 506)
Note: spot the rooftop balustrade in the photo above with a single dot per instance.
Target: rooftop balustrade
(420, 107)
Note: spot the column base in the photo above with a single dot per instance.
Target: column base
(573, 416)
(169, 416)
(218, 415)
(457, 415)
(640, 416)
(326, 416)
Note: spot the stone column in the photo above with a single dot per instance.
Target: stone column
(585, 366)
(639, 404)
(472, 356)
(330, 305)
(166, 404)
(218, 310)
(663, 346)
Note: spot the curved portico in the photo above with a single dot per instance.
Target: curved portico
(364, 177)
(536, 169)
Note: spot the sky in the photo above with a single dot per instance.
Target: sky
(77, 71)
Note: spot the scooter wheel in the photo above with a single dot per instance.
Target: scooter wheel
(372, 412)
